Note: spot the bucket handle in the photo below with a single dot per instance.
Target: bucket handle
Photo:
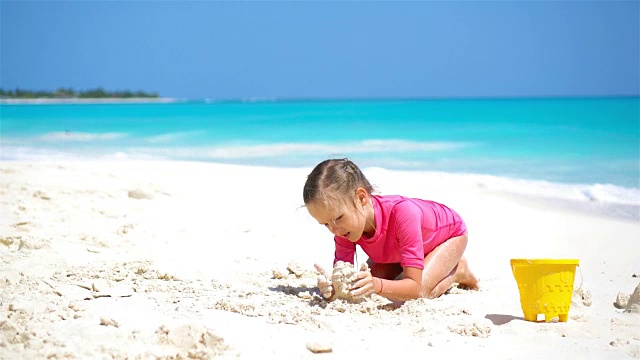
(581, 278)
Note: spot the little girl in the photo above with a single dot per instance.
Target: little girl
(420, 239)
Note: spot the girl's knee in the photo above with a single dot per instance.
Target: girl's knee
(429, 294)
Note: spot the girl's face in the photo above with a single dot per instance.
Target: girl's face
(344, 220)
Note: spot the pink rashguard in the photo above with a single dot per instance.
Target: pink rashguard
(406, 231)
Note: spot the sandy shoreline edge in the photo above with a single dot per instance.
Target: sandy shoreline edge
(48, 101)
(170, 259)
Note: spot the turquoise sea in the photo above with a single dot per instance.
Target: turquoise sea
(590, 141)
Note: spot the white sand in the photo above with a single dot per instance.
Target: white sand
(190, 260)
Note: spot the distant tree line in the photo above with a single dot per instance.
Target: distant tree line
(69, 93)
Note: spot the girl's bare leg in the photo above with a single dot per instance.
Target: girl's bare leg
(444, 266)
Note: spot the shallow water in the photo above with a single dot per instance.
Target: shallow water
(576, 148)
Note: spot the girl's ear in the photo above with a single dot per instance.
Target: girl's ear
(361, 196)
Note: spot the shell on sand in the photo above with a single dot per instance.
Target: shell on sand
(320, 346)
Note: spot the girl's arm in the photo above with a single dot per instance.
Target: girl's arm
(407, 288)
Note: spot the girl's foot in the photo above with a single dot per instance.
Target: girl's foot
(464, 277)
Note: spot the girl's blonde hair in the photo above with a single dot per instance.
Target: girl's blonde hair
(333, 181)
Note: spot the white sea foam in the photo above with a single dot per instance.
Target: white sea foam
(601, 199)
(171, 137)
(225, 152)
(23, 153)
(79, 136)
(581, 192)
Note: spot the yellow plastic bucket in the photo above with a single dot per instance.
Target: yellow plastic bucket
(545, 287)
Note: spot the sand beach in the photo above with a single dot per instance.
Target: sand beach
(188, 260)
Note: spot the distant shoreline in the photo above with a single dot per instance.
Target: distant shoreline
(35, 101)
(87, 101)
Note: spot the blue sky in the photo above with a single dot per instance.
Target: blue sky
(328, 49)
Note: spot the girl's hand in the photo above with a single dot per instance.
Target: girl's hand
(324, 283)
(362, 284)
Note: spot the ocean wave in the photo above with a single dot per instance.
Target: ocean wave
(600, 199)
(581, 192)
(24, 153)
(226, 152)
(171, 137)
(604, 199)
(79, 136)
(15, 147)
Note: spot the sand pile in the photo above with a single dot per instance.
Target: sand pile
(629, 302)
(341, 280)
